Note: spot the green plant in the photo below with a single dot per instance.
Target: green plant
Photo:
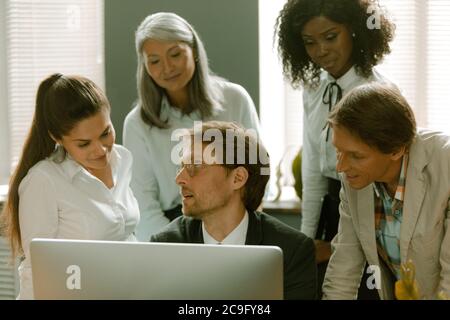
(297, 172)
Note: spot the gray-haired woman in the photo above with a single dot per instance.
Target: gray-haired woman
(175, 88)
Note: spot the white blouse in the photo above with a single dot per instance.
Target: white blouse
(154, 172)
(318, 152)
(64, 201)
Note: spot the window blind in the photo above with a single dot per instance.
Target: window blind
(9, 283)
(438, 65)
(419, 62)
(44, 37)
(402, 65)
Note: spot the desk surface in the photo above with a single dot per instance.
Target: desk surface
(282, 207)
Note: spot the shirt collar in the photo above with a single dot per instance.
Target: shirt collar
(400, 191)
(346, 80)
(72, 168)
(235, 237)
(168, 111)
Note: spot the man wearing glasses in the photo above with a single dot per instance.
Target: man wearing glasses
(222, 183)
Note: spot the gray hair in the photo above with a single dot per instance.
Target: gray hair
(204, 92)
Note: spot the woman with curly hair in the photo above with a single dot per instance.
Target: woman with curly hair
(328, 47)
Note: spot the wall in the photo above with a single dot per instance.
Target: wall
(229, 30)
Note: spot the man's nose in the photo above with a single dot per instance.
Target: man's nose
(181, 176)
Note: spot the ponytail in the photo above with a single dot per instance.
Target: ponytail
(38, 146)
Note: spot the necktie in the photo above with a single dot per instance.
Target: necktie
(327, 98)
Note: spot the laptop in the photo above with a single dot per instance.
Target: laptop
(80, 269)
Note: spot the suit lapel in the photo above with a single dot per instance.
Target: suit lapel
(366, 214)
(254, 230)
(194, 230)
(414, 195)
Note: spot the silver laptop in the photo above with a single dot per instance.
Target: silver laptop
(79, 269)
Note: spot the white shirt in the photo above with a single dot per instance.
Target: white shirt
(64, 201)
(318, 153)
(153, 181)
(235, 237)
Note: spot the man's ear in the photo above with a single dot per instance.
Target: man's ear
(240, 177)
(398, 153)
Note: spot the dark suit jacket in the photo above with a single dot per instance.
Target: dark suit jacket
(300, 271)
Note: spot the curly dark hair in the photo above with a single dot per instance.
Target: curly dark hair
(369, 45)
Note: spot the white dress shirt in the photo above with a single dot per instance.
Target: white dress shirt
(318, 153)
(153, 181)
(64, 201)
(235, 237)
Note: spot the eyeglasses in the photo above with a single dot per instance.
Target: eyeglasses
(193, 168)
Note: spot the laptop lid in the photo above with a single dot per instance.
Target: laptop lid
(79, 269)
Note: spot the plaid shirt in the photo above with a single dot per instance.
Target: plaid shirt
(388, 219)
